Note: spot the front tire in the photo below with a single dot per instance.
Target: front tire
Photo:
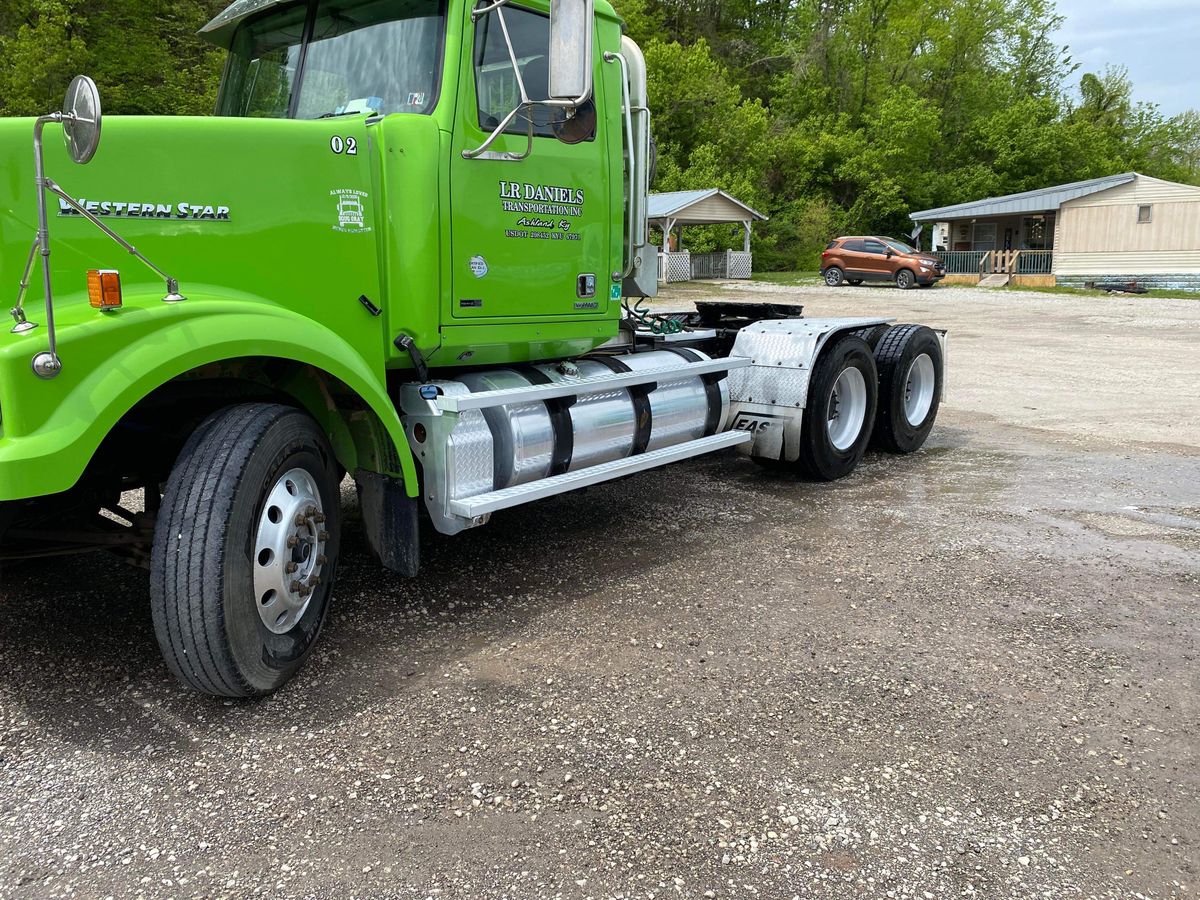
(909, 359)
(842, 396)
(834, 276)
(905, 280)
(245, 550)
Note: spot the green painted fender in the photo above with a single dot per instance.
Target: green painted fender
(51, 429)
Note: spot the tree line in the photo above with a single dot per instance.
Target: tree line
(829, 116)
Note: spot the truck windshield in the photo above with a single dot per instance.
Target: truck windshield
(336, 57)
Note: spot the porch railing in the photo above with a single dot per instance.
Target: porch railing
(961, 262)
(1035, 262)
(997, 262)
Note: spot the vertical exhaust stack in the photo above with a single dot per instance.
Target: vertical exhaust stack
(641, 276)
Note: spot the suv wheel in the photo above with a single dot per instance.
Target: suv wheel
(834, 276)
(905, 279)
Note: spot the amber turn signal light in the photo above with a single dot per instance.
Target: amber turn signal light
(104, 288)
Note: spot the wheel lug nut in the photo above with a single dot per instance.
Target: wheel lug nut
(296, 586)
(293, 541)
(321, 559)
(290, 568)
(319, 518)
(322, 535)
(301, 518)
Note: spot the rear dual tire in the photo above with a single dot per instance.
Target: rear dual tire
(837, 420)
(909, 360)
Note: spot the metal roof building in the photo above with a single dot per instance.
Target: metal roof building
(1119, 229)
(1040, 201)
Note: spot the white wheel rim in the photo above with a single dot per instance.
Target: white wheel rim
(832, 277)
(918, 389)
(847, 408)
(289, 550)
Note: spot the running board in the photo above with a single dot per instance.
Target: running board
(483, 504)
(582, 387)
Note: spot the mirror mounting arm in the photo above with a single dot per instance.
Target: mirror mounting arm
(172, 295)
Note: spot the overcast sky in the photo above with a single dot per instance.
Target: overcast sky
(1157, 40)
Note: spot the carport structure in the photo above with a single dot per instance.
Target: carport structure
(671, 211)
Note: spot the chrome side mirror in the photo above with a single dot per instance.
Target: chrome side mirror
(81, 119)
(572, 25)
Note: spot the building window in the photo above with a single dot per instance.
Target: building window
(1144, 214)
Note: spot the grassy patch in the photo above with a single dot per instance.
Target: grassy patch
(787, 277)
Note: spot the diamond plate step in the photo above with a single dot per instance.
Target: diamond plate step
(482, 504)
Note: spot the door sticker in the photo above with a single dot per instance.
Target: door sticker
(479, 266)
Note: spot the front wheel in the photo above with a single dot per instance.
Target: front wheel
(842, 395)
(834, 276)
(905, 280)
(245, 550)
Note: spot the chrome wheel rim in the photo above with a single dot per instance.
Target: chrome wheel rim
(918, 389)
(832, 278)
(902, 279)
(847, 408)
(289, 550)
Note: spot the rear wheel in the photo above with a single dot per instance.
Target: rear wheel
(837, 420)
(834, 276)
(905, 279)
(873, 334)
(245, 550)
(909, 360)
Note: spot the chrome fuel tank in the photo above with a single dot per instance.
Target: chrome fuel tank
(539, 439)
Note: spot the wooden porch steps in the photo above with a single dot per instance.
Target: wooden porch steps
(999, 280)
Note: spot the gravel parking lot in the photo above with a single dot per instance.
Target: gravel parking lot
(971, 672)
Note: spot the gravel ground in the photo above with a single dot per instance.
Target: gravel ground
(971, 672)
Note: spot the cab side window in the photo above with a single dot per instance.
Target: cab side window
(496, 82)
(853, 246)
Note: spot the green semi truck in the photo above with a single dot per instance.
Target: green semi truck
(409, 250)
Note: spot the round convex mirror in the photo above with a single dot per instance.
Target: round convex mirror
(81, 119)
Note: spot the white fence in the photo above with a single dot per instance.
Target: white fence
(674, 266)
(685, 266)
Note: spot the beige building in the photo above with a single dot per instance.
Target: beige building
(1123, 228)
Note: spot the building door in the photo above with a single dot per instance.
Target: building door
(984, 236)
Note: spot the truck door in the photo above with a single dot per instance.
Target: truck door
(529, 237)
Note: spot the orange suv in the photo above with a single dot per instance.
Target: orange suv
(853, 260)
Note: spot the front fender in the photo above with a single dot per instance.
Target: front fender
(51, 429)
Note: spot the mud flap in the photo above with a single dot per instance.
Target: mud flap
(390, 521)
